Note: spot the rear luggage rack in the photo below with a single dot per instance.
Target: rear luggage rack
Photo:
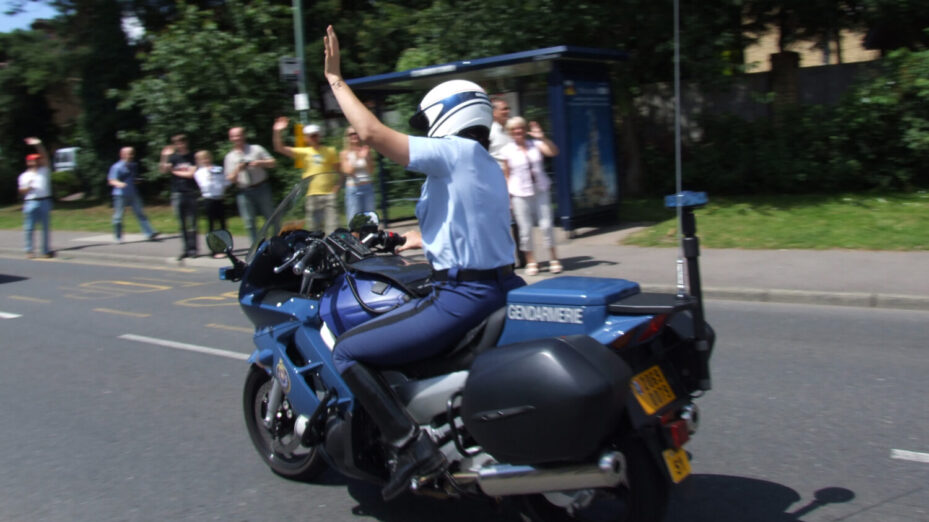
(652, 304)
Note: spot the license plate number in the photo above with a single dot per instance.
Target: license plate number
(678, 464)
(652, 390)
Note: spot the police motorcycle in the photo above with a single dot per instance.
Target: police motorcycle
(578, 393)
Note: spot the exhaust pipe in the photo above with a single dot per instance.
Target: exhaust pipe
(506, 479)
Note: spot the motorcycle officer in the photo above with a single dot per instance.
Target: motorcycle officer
(464, 228)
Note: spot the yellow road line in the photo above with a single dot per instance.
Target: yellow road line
(233, 328)
(120, 312)
(172, 281)
(26, 298)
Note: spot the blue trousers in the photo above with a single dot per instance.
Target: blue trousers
(252, 202)
(134, 201)
(423, 327)
(359, 198)
(36, 211)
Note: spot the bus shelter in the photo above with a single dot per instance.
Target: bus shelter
(586, 173)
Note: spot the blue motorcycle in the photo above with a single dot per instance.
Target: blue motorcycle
(578, 393)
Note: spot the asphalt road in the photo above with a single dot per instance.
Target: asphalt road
(121, 394)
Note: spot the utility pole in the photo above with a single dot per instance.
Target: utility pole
(301, 100)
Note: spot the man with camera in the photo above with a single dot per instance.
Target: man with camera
(245, 165)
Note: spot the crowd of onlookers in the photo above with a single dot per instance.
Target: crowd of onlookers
(198, 185)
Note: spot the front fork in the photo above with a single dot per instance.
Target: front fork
(275, 396)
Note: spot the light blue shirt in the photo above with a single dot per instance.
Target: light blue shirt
(464, 207)
(125, 172)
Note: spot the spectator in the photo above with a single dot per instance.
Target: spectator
(321, 164)
(529, 185)
(498, 135)
(179, 161)
(212, 181)
(499, 138)
(245, 164)
(123, 177)
(35, 186)
(358, 166)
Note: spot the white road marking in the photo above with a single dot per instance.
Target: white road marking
(913, 456)
(5, 315)
(184, 346)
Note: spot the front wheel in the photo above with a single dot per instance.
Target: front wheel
(643, 499)
(277, 444)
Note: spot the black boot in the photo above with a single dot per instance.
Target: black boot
(414, 453)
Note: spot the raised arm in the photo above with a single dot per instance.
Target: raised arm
(393, 144)
(546, 146)
(279, 125)
(37, 143)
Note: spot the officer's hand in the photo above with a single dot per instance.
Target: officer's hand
(414, 240)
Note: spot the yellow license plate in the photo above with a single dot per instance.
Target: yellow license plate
(652, 390)
(678, 464)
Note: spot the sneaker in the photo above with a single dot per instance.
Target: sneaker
(154, 236)
(554, 266)
(182, 256)
(532, 269)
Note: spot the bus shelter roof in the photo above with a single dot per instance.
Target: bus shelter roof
(480, 70)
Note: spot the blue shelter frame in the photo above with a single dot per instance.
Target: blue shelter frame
(587, 171)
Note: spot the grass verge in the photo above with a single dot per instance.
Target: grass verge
(886, 221)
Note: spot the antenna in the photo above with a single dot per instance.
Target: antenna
(677, 146)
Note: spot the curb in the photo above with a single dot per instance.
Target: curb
(761, 295)
(853, 299)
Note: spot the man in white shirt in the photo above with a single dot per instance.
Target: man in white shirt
(499, 138)
(35, 186)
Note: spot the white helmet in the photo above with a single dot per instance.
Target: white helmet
(452, 107)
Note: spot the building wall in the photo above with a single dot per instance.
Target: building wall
(757, 56)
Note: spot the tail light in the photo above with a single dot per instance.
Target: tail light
(653, 327)
(679, 426)
(640, 334)
(677, 432)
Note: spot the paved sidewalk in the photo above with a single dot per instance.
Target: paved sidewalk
(837, 277)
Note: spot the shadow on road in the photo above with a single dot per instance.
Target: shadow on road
(6, 278)
(701, 498)
(721, 498)
(582, 262)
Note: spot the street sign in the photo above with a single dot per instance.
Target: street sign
(289, 68)
(301, 102)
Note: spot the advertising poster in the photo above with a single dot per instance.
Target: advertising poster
(592, 157)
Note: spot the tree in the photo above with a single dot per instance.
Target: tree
(201, 80)
(31, 64)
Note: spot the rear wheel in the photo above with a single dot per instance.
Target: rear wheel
(644, 499)
(277, 444)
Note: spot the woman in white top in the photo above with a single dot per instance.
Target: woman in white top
(358, 167)
(212, 182)
(529, 186)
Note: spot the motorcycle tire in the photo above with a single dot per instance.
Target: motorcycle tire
(644, 500)
(299, 463)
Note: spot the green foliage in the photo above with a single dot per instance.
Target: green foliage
(876, 138)
(33, 64)
(65, 182)
(201, 79)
